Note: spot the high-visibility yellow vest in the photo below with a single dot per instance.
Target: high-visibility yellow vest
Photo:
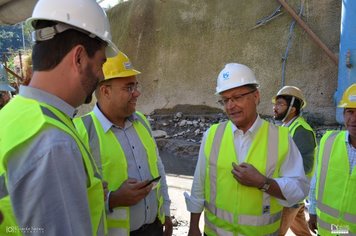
(111, 160)
(292, 128)
(42, 116)
(232, 208)
(335, 187)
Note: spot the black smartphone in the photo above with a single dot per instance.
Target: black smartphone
(152, 180)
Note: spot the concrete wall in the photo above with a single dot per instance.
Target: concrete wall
(180, 46)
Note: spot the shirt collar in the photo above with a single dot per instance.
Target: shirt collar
(290, 122)
(252, 130)
(106, 123)
(48, 98)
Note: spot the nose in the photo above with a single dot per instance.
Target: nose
(229, 104)
(136, 93)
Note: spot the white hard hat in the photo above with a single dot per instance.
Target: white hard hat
(84, 15)
(234, 75)
(4, 82)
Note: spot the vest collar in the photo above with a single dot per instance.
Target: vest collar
(107, 124)
(44, 97)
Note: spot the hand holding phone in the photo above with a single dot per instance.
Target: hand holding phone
(155, 180)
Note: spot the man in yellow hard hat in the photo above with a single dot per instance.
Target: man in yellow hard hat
(332, 207)
(121, 141)
(49, 181)
(247, 169)
(287, 106)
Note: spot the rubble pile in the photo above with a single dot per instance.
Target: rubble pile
(180, 133)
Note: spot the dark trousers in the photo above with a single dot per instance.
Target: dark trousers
(154, 229)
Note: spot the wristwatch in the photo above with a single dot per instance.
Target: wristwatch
(266, 185)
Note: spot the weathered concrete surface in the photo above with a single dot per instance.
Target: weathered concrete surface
(180, 46)
(15, 11)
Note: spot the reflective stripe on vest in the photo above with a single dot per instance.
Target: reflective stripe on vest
(94, 184)
(332, 166)
(110, 157)
(299, 121)
(236, 223)
(3, 188)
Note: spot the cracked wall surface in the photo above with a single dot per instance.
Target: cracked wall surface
(180, 46)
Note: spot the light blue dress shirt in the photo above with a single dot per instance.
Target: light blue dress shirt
(144, 212)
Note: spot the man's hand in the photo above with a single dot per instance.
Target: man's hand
(312, 223)
(129, 193)
(248, 175)
(168, 226)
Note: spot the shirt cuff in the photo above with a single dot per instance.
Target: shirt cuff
(167, 210)
(194, 205)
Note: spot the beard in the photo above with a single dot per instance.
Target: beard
(89, 82)
(88, 99)
(280, 116)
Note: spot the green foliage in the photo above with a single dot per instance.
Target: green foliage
(14, 37)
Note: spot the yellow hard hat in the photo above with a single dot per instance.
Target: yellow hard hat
(349, 97)
(291, 91)
(118, 67)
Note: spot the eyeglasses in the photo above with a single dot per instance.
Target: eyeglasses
(235, 99)
(279, 104)
(132, 88)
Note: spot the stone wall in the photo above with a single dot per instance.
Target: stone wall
(180, 46)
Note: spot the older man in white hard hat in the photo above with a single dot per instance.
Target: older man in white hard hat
(287, 106)
(45, 170)
(332, 209)
(248, 169)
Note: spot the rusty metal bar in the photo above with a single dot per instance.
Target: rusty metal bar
(314, 37)
(12, 73)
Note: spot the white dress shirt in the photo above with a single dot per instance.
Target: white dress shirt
(292, 181)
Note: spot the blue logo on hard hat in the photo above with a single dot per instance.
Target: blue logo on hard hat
(128, 65)
(226, 75)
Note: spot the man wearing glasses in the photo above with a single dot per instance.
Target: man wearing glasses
(287, 106)
(248, 169)
(126, 154)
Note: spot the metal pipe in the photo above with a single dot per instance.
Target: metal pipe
(314, 37)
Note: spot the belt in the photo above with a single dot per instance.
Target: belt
(145, 226)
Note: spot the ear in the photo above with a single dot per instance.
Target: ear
(104, 90)
(79, 55)
(257, 97)
(293, 110)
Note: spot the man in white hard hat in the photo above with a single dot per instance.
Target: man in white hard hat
(248, 169)
(5, 87)
(332, 209)
(45, 170)
(287, 105)
(126, 153)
